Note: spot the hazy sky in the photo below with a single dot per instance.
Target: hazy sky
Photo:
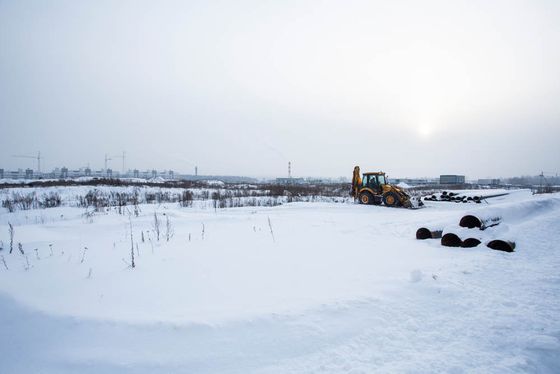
(415, 88)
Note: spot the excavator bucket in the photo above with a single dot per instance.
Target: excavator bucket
(414, 203)
(409, 202)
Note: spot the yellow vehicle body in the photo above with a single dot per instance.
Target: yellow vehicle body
(373, 188)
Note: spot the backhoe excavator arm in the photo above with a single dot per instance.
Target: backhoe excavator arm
(356, 182)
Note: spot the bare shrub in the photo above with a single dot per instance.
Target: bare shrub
(156, 226)
(168, 228)
(132, 264)
(11, 231)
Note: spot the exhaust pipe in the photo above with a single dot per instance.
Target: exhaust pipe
(501, 245)
(470, 222)
(424, 233)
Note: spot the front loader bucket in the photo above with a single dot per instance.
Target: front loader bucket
(413, 203)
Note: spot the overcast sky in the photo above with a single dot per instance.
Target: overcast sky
(415, 88)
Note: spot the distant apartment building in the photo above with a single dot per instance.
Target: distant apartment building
(290, 181)
(413, 181)
(489, 182)
(451, 179)
(16, 174)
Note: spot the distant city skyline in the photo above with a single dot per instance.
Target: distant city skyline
(147, 172)
(416, 89)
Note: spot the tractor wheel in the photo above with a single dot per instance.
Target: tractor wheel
(391, 199)
(366, 198)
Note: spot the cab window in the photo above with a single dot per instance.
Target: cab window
(370, 180)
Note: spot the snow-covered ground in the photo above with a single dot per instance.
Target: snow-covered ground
(297, 288)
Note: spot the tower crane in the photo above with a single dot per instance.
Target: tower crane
(123, 156)
(38, 158)
(106, 159)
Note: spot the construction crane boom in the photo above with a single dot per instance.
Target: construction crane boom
(38, 158)
(123, 156)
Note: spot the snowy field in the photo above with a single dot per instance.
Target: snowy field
(297, 288)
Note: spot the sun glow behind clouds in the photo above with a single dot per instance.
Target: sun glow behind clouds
(425, 131)
(285, 70)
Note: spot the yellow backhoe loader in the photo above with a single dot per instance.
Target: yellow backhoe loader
(373, 188)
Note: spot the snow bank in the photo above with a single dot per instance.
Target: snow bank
(302, 287)
(213, 182)
(518, 211)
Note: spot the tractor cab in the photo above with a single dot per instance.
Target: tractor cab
(375, 181)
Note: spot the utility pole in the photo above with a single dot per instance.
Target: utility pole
(290, 169)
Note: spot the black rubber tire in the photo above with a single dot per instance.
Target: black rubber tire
(366, 198)
(391, 199)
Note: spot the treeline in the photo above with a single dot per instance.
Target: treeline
(228, 196)
(538, 180)
(104, 182)
(31, 200)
